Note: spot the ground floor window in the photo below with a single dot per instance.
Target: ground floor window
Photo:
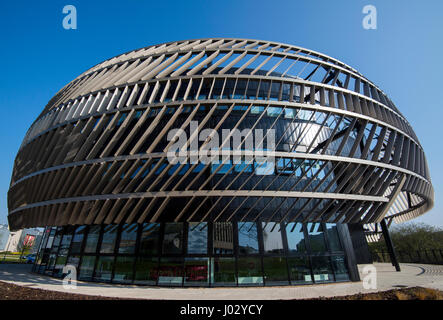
(87, 268)
(146, 271)
(223, 272)
(340, 269)
(197, 254)
(322, 269)
(196, 272)
(103, 270)
(170, 272)
(275, 270)
(299, 270)
(249, 271)
(124, 269)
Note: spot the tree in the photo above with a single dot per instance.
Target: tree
(412, 237)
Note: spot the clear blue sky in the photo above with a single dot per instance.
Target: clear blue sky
(403, 56)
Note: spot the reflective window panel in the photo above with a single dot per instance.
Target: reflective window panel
(296, 238)
(128, 237)
(146, 271)
(149, 239)
(198, 238)
(196, 272)
(103, 270)
(249, 271)
(124, 269)
(74, 261)
(51, 263)
(340, 268)
(272, 238)
(247, 238)
(92, 239)
(316, 237)
(322, 269)
(275, 271)
(60, 262)
(109, 238)
(40, 253)
(77, 239)
(173, 238)
(51, 239)
(57, 240)
(333, 238)
(86, 267)
(223, 238)
(223, 271)
(299, 270)
(170, 272)
(66, 241)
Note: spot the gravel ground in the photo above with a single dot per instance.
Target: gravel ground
(414, 293)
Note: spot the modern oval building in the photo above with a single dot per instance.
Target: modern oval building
(303, 149)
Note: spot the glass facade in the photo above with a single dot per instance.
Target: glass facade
(197, 254)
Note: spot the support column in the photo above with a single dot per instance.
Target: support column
(349, 250)
(389, 245)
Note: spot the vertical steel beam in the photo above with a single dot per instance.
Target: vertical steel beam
(389, 245)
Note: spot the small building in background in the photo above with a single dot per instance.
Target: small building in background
(25, 237)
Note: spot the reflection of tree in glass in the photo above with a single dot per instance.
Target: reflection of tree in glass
(247, 237)
(316, 237)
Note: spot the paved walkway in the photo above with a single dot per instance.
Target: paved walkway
(429, 276)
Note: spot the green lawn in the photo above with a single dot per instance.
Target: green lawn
(11, 258)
